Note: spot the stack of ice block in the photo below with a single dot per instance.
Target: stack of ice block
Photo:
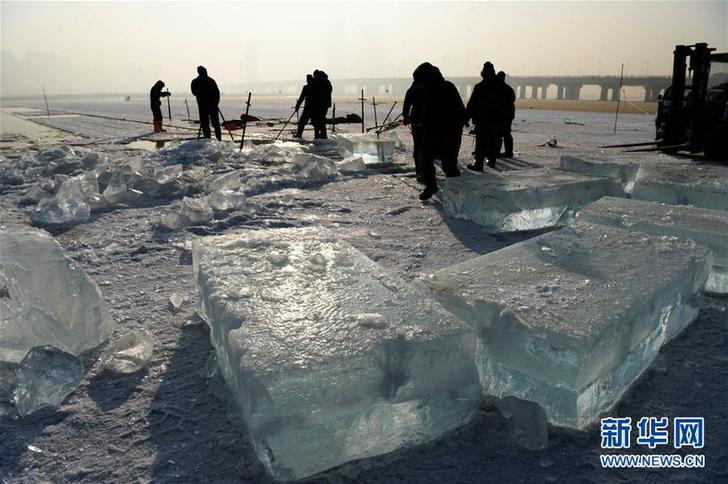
(524, 199)
(373, 148)
(329, 357)
(571, 318)
(684, 183)
(707, 227)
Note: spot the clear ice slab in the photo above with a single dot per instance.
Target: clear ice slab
(45, 377)
(706, 227)
(330, 357)
(373, 149)
(570, 319)
(703, 185)
(46, 298)
(523, 199)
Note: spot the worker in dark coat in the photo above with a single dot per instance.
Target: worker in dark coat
(320, 98)
(412, 117)
(509, 108)
(205, 90)
(485, 108)
(155, 101)
(443, 117)
(304, 98)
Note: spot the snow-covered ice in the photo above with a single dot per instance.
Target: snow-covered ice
(50, 300)
(707, 227)
(569, 319)
(330, 357)
(44, 378)
(524, 199)
(128, 353)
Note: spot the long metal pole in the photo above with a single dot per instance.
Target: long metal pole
(48, 111)
(187, 107)
(333, 119)
(362, 110)
(619, 98)
(245, 121)
(225, 123)
(389, 113)
(169, 108)
(284, 126)
(374, 106)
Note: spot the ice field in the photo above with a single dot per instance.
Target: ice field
(271, 315)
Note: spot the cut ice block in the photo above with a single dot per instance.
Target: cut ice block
(330, 357)
(380, 150)
(352, 164)
(45, 377)
(570, 319)
(47, 299)
(523, 199)
(68, 206)
(683, 183)
(622, 169)
(707, 227)
(228, 200)
(526, 421)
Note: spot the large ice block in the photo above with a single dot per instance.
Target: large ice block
(45, 298)
(330, 357)
(707, 227)
(69, 206)
(523, 199)
(620, 168)
(374, 149)
(684, 183)
(570, 319)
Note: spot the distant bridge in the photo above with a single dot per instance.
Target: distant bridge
(526, 87)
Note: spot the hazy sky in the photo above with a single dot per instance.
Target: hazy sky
(83, 47)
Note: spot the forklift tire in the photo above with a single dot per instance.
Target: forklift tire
(716, 147)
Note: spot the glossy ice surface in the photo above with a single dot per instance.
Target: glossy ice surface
(706, 227)
(523, 199)
(46, 298)
(330, 357)
(684, 183)
(569, 319)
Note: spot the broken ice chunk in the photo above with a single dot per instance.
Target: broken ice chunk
(67, 207)
(313, 167)
(327, 363)
(526, 422)
(45, 377)
(196, 210)
(119, 189)
(129, 353)
(352, 164)
(225, 200)
(47, 299)
(706, 227)
(614, 298)
(523, 199)
(228, 181)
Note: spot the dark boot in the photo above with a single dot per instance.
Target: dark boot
(477, 166)
(157, 126)
(428, 192)
(491, 163)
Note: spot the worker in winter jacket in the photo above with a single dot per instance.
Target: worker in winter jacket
(443, 117)
(205, 90)
(319, 96)
(155, 101)
(304, 99)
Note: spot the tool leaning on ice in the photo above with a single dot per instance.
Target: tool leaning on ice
(155, 102)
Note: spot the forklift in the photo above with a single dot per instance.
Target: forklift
(692, 114)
